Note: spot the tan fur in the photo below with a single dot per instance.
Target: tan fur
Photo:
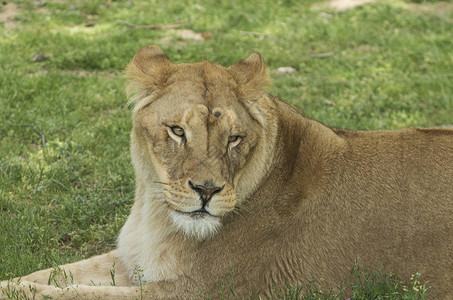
(299, 200)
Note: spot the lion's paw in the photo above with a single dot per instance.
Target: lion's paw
(18, 289)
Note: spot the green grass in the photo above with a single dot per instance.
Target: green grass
(361, 284)
(66, 199)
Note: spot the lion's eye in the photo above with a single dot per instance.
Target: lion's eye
(233, 138)
(233, 141)
(177, 131)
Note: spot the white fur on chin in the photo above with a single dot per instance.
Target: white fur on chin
(200, 228)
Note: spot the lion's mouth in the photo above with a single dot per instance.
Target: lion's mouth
(197, 214)
(199, 223)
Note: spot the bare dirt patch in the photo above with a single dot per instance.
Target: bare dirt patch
(8, 15)
(341, 5)
(180, 37)
(440, 9)
(344, 5)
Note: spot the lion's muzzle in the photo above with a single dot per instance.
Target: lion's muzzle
(206, 191)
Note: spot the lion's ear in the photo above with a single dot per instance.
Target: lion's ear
(147, 72)
(251, 75)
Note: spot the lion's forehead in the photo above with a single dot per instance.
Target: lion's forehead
(208, 116)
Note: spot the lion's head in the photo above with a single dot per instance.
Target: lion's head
(198, 127)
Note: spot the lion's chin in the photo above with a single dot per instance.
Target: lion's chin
(199, 225)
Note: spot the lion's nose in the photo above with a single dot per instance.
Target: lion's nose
(206, 191)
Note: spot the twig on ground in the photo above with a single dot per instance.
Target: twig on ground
(322, 55)
(152, 27)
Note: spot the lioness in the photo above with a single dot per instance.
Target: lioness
(236, 187)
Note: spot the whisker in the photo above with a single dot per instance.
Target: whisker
(160, 182)
(238, 213)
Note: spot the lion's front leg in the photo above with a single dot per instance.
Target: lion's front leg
(102, 270)
(15, 289)
(165, 290)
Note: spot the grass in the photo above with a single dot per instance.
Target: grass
(66, 183)
(361, 284)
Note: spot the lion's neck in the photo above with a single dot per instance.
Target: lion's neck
(305, 155)
(148, 243)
